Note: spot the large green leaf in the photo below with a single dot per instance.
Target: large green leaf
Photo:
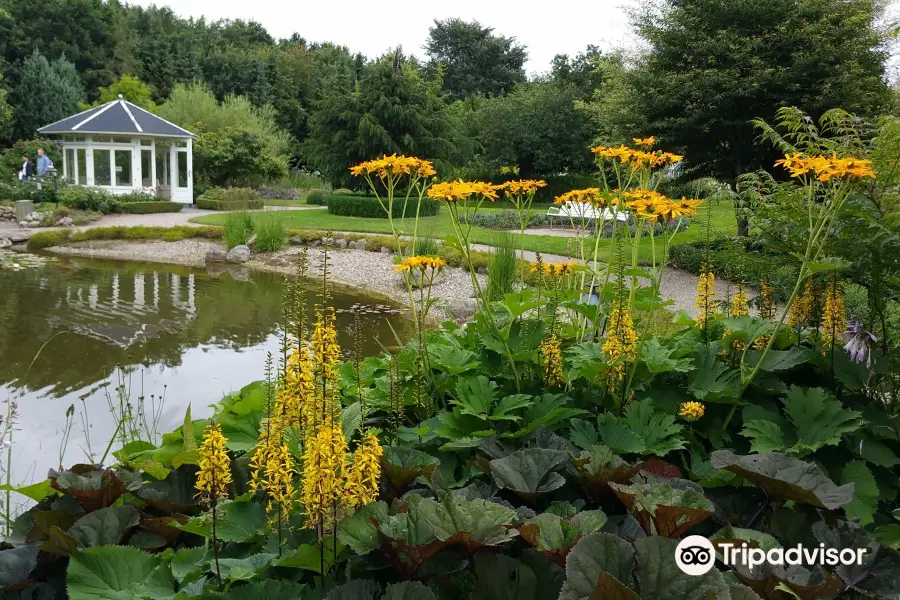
(659, 577)
(529, 473)
(454, 361)
(617, 435)
(408, 590)
(270, 589)
(241, 522)
(503, 578)
(357, 589)
(865, 491)
(313, 557)
(548, 411)
(475, 396)
(765, 436)
(360, 531)
(553, 534)
(712, 380)
(785, 477)
(661, 359)
(110, 573)
(402, 465)
(242, 569)
(104, 527)
(779, 360)
(36, 491)
(819, 418)
(189, 563)
(595, 555)
(664, 509)
(16, 564)
(469, 521)
(658, 430)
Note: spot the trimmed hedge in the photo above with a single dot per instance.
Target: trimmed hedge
(370, 208)
(230, 199)
(151, 207)
(317, 197)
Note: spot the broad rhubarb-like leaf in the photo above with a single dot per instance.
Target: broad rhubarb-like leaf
(529, 473)
(664, 509)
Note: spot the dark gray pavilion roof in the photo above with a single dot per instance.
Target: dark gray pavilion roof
(118, 117)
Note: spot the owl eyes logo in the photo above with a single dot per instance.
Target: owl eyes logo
(695, 555)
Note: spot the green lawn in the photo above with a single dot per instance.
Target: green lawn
(440, 227)
(280, 202)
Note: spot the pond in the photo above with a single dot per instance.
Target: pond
(72, 331)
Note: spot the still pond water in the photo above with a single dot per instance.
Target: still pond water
(185, 334)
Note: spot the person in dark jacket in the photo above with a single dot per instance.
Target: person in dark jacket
(27, 171)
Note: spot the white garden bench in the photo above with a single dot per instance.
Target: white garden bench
(582, 211)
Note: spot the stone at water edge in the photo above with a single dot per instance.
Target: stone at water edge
(251, 241)
(386, 250)
(216, 255)
(462, 309)
(357, 245)
(5, 242)
(238, 254)
(297, 241)
(340, 243)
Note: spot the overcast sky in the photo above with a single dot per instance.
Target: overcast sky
(546, 28)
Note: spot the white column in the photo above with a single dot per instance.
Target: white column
(115, 291)
(176, 289)
(190, 169)
(89, 168)
(139, 289)
(136, 174)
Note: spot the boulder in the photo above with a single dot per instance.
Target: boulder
(297, 241)
(357, 245)
(481, 270)
(461, 309)
(19, 237)
(341, 243)
(216, 255)
(315, 243)
(5, 243)
(386, 250)
(238, 254)
(33, 224)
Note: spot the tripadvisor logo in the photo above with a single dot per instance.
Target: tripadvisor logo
(696, 555)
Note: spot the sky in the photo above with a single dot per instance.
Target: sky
(559, 27)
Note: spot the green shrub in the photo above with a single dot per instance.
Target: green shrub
(136, 197)
(230, 199)
(85, 198)
(502, 267)
(16, 190)
(11, 159)
(317, 197)
(46, 239)
(370, 208)
(343, 192)
(271, 235)
(156, 206)
(237, 229)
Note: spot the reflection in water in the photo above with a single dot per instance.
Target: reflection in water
(176, 331)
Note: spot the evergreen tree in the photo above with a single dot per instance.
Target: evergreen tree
(392, 109)
(6, 112)
(46, 92)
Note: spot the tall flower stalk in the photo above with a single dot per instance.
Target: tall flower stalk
(213, 478)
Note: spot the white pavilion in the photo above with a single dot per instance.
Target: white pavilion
(122, 148)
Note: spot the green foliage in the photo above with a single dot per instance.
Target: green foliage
(131, 89)
(6, 112)
(393, 109)
(370, 208)
(473, 59)
(238, 144)
(237, 229)
(11, 161)
(46, 92)
(230, 199)
(45, 239)
(502, 269)
(271, 235)
(156, 206)
(85, 198)
(317, 197)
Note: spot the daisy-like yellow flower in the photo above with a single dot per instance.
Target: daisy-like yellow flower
(324, 458)
(522, 186)
(826, 168)
(691, 411)
(388, 166)
(802, 307)
(620, 346)
(419, 263)
(553, 361)
(646, 142)
(279, 481)
(706, 296)
(453, 191)
(592, 196)
(834, 317)
(363, 480)
(214, 476)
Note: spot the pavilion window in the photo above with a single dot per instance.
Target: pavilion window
(102, 167)
(123, 168)
(81, 165)
(71, 165)
(147, 167)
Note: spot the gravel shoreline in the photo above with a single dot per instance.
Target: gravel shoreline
(369, 271)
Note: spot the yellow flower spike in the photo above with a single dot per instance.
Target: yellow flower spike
(834, 317)
(621, 341)
(214, 476)
(802, 308)
(363, 480)
(706, 296)
(553, 361)
(740, 304)
(691, 411)
(279, 483)
(324, 459)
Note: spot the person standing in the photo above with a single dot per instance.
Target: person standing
(44, 163)
(27, 171)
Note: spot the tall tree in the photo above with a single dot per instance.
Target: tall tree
(713, 65)
(130, 88)
(584, 71)
(46, 92)
(6, 113)
(393, 108)
(473, 59)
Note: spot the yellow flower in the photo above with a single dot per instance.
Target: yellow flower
(801, 310)
(691, 411)
(834, 317)
(270, 435)
(388, 166)
(421, 263)
(279, 483)
(740, 303)
(706, 296)
(324, 460)
(522, 186)
(365, 473)
(453, 191)
(554, 269)
(620, 346)
(647, 142)
(767, 300)
(214, 475)
(826, 168)
(553, 361)
(592, 196)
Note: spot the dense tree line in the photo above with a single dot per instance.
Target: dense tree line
(709, 67)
